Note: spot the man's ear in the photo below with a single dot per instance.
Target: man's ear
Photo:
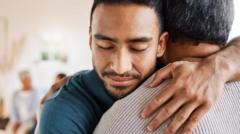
(163, 39)
(90, 37)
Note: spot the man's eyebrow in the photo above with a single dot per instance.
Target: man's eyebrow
(140, 39)
(104, 37)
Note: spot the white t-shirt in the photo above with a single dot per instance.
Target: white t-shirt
(24, 106)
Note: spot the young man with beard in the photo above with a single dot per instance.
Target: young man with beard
(125, 36)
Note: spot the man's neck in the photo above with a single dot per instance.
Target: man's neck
(28, 88)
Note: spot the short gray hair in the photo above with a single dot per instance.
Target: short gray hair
(200, 20)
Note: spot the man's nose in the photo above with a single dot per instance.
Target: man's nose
(122, 63)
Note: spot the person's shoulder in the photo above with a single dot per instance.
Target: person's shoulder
(81, 73)
(54, 116)
(69, 107)
(62, 116)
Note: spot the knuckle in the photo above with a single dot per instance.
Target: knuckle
(187, 130)
(156, 100)
(178, 85)
(181, 117)
(208, 103)
(171, 130)
(149, 108)
(166, 111)
(197, 98)
(155, 122)
(194, 119)
(188, 93)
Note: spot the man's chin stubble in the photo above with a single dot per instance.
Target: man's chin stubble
(119, 88)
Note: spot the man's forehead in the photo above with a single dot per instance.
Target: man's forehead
(124, 13)
(109, 19)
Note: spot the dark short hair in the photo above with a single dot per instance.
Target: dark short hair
(61, 75)
(154, 4)
(200, 20)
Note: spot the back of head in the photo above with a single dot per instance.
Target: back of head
(154, 4)
(200, 20)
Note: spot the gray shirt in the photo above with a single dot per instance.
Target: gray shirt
(123, 117)
(24, 106)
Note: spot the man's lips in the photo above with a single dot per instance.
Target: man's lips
(120, 81)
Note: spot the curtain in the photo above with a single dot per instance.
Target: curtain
(9, 51)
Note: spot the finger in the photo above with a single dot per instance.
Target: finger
(158, 100)
(162, 74)
(181, 116)
(195, 119)
(165, 112)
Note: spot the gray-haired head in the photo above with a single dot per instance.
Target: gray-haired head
(201, 20)
(23, 73)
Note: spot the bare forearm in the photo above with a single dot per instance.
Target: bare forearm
(227, 61)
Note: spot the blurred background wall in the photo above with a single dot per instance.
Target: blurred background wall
(47, 37)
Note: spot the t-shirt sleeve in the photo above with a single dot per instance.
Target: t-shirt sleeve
(58, 117)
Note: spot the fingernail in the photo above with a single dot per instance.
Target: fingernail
(143, 115)
(152, 86)
(149, 85)
(150, 128)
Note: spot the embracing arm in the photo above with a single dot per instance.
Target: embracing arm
(194, 89)
(228, 60)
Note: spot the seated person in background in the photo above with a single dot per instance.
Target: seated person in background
(24, 105)
(224, 118)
